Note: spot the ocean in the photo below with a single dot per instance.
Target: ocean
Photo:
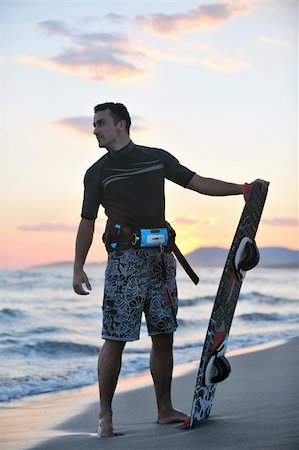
(50, 337)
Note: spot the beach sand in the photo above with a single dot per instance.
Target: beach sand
(255, 408)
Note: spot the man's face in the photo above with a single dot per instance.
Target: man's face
(106, 132)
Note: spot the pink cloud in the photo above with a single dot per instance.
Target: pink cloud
(48, 227)
(224, 64)
(281, 222)
(84, 124)
(210, 220)
(202, 17)
(185, 221)
(97, 56)
(92, 63)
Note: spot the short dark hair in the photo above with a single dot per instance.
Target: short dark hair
(118, 112)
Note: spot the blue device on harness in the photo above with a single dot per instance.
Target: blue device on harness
(153, 237)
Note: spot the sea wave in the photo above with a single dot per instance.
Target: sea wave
(7, 313)
(267, 299)
(52, 349)
(275, 317)
(61, 348)
(18, 387)
(49, 337)
(187, 302)
(253, 296)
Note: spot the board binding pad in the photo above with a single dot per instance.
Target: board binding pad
(243, 256)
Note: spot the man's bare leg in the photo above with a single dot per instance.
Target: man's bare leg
(109, 365)
(161, 365)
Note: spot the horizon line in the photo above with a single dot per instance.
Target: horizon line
(100, 262)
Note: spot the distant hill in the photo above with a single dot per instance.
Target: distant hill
(269, 257)
(216, 256)
(65, 264)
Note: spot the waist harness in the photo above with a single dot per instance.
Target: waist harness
(119, 237)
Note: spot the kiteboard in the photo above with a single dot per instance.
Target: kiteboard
(243, 256)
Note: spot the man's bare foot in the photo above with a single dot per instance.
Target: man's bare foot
(105, 427)
(174, 417)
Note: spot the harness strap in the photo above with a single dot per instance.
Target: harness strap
(184, 263)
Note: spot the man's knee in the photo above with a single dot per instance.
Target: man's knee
(162, 342)
(113, 347)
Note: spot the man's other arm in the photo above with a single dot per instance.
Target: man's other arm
(83, 243)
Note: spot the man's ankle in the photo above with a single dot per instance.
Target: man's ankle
(105, 414)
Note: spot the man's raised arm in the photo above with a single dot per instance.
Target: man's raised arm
(210, 186)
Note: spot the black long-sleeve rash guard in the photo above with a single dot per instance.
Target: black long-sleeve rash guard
(129, 184)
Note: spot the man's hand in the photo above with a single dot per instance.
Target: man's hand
(265, 184)
(80, 278)
(247, 187)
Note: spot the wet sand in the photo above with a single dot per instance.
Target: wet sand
(255, 408)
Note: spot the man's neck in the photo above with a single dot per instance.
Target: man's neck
(118, 145)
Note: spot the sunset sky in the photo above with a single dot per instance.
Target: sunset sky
(214, 83)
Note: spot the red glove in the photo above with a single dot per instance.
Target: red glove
(246, 189)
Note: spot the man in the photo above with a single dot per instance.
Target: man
(128, 181)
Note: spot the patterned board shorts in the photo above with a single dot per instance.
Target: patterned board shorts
(134, 284)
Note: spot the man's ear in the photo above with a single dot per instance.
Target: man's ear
(122, 125)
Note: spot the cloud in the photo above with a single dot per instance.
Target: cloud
(185, 221)
(195, 54)
(190, 52)
(89, 19)
(84, 125)
(48, 227)
(225, 65)
(97, 56)
(54, 27)
(281, 222)
(92, 63)
(273, 41)
(109, 56)
(195, 221)
(117, 18)
(202, 17)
